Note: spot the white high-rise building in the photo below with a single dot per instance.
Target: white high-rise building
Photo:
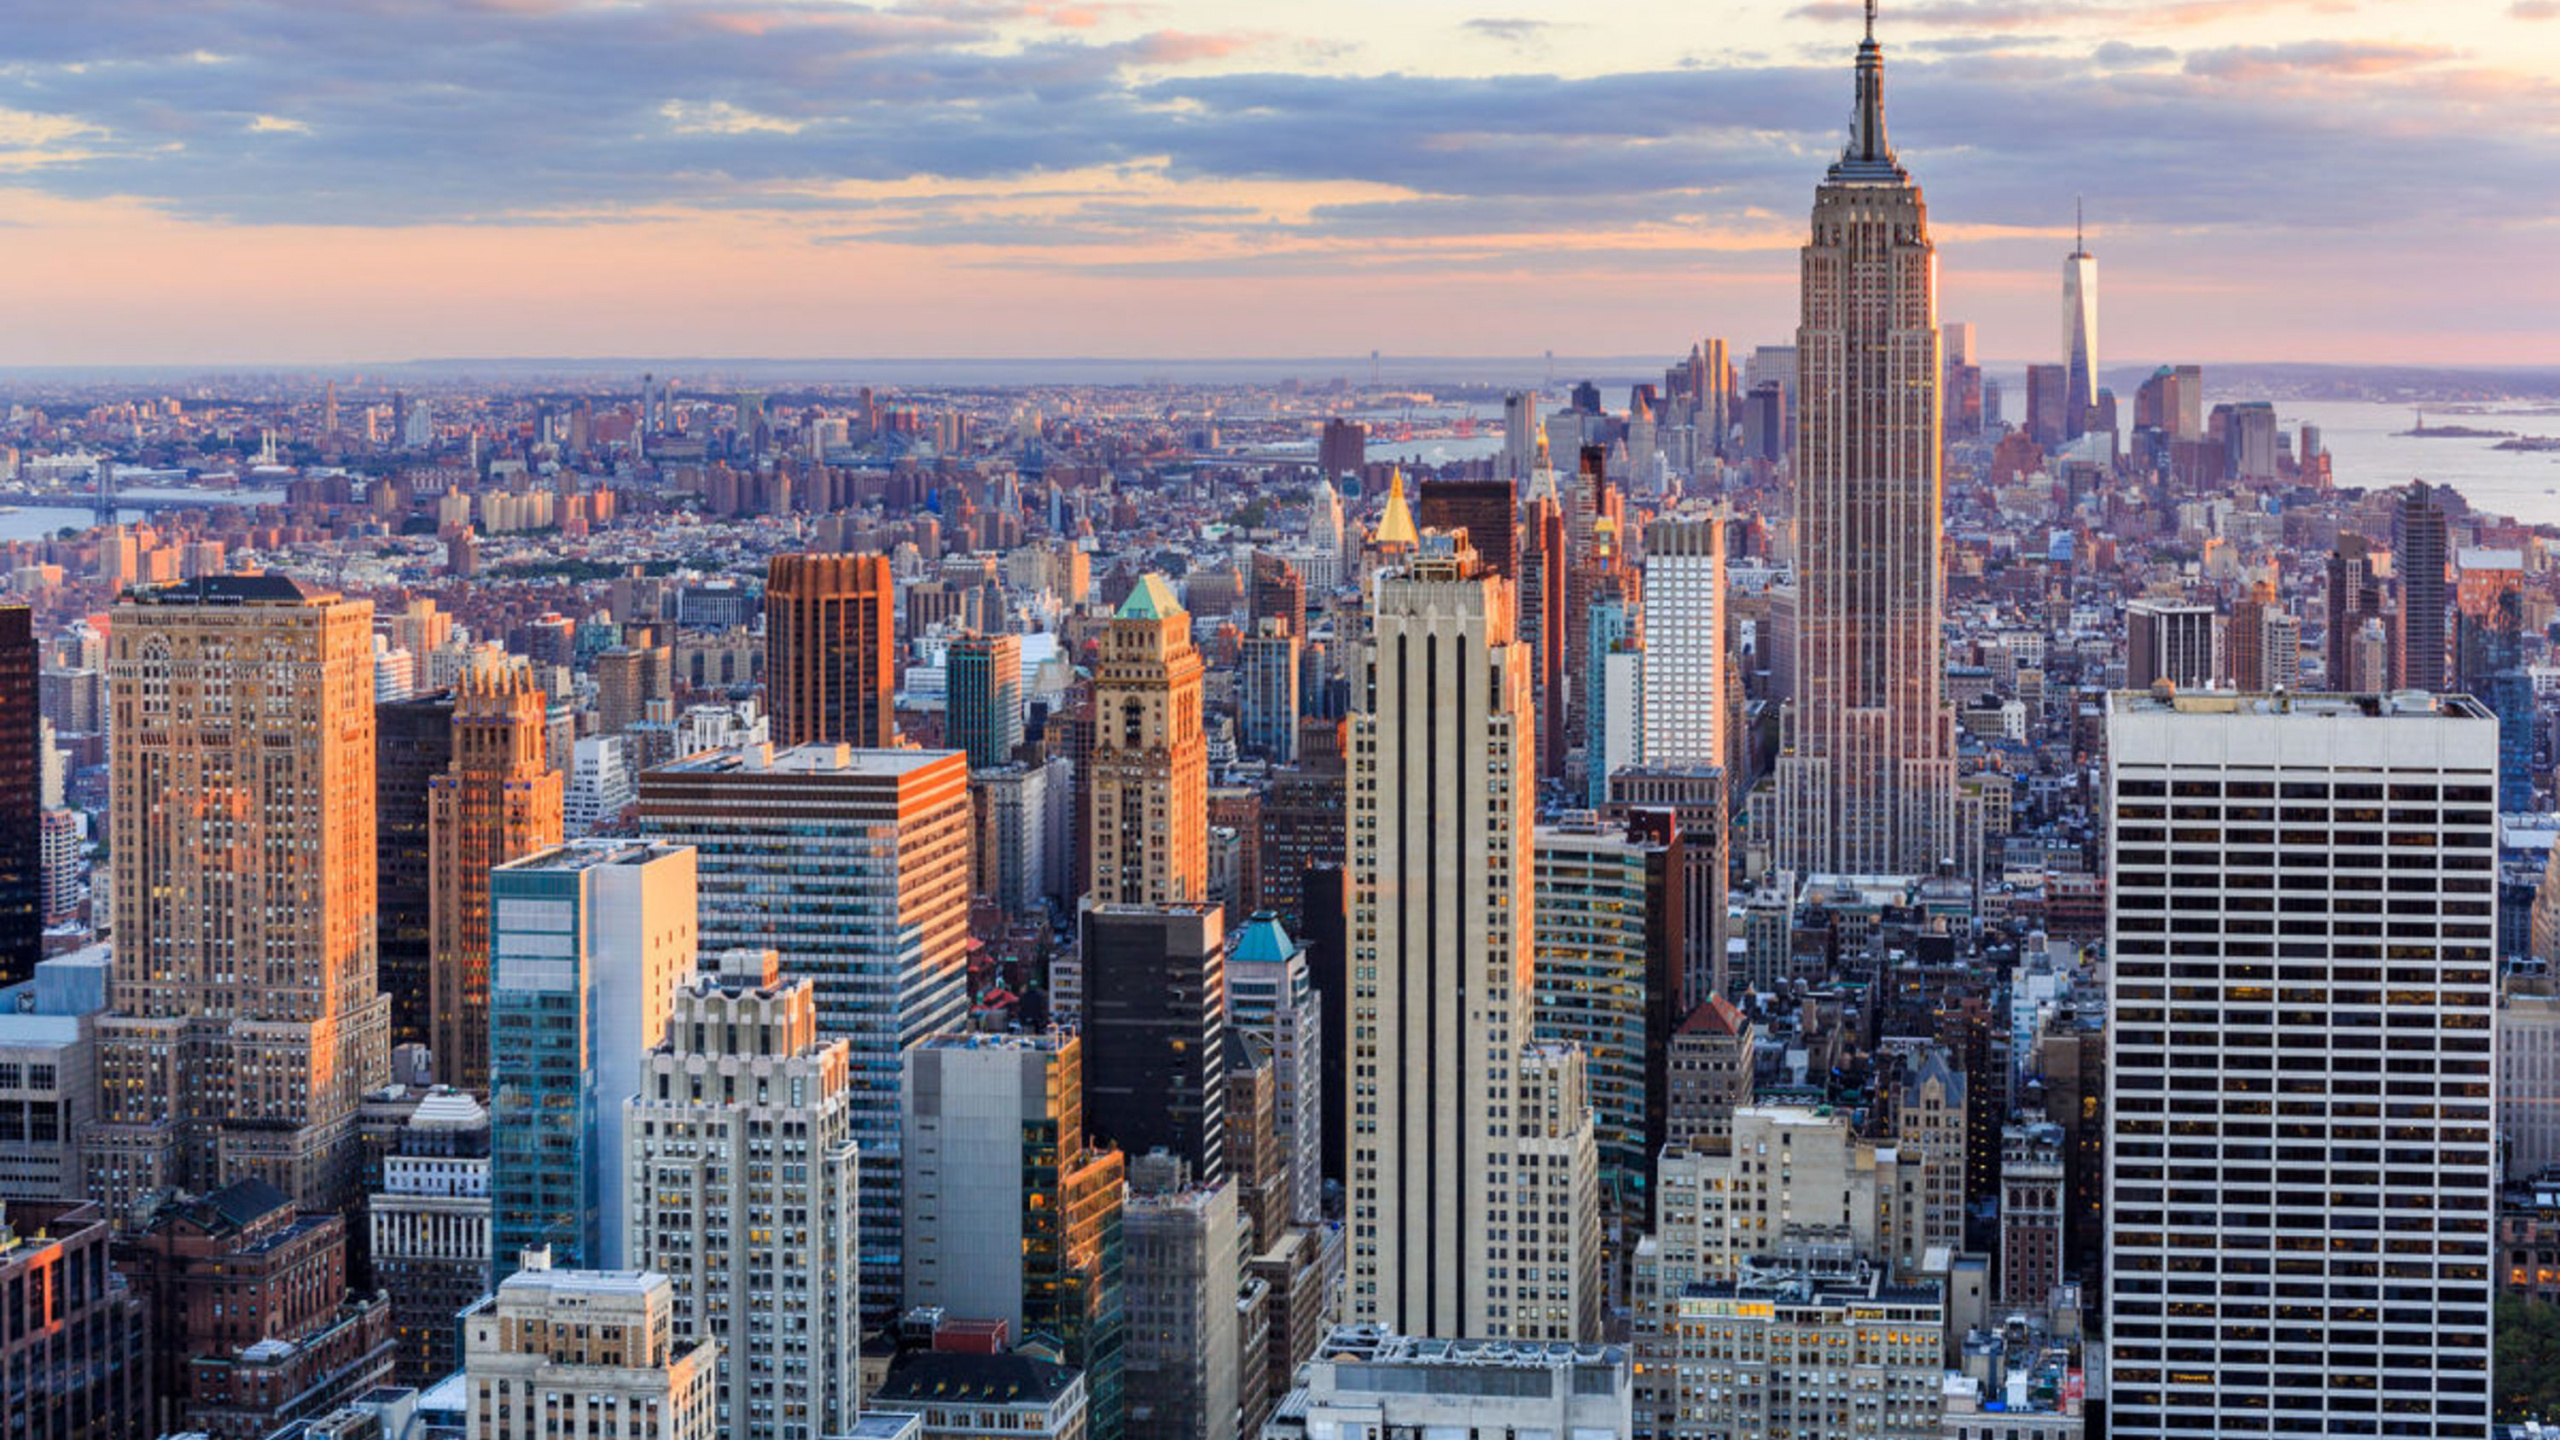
(1519, 436)
(1442, 787)
(1271, 994)
(1325, 530)
(599, 787)
(741, 1140)
(2301, 1175)
(1685, 673)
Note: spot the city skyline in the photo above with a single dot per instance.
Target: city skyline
(1153, 181)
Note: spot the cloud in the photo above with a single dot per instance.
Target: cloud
(1511, 30)
(2535, 9)
(2317, 57)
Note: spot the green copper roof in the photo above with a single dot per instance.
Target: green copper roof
(1264, 940)
(1152, 599)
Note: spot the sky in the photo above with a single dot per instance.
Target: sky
(342, 181)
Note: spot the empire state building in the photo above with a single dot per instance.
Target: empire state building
(1867, 782)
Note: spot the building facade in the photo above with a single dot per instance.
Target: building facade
(246, 1026)
(588, 943)
(1866, 784)
(499, 800)
(853, 867)
(830, 650)
(586, 1355)
(1150, 794)
(1155, 1014)
(2359, 1026)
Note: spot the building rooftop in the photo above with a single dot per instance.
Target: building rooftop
(1375, 1345)
(231, 590)
(937, 1377)
(2399, 704)
(990, 1040)
(1150, 599)
(1263, 940)
(805, 760)
(588, 854)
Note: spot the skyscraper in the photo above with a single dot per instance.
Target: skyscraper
(1441, 922)
(983, 698)
(1486, 510)
(1150, 840)
(246, 1026)
(1009, 1214)
(1155, 1008)
(578, 1354)
(1271, 995)
(498, 800)
(430, 1231)
(1685, 669)
(830, 662)
(2079, 336)
(413, 744)
(1519, 437)
(587, 944)
(1267, 714)
(2418, 558)
(742, 1067)
(2164, 640)
(2304, 1101)
(853, 865)
(21, 799)
(1867, 783)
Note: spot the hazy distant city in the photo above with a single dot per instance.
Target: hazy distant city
(1830, 880)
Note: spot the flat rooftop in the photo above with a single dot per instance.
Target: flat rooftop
(588, 854)
(2399, 704)
(805, 760)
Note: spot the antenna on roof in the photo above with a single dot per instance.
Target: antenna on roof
(2079, 224)
(1871, 19)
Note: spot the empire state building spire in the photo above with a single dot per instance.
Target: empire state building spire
(1869, 155)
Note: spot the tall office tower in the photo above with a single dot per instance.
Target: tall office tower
(413, 743)
(1929, 1124)
(1686, 673)
(1608, 979)
(853, 865)
(2301, 1142)
(830, 650)
(1279, 593)
(1963, 380)
(1775, 1338)
(1719, 409)
(1868, 783)
(630, 679)
(1595, 523)
(1155, 1008)
(245, 1027)
(2079, 335)
(1519, 437)
(499, 800)
(1271, 996)
(1486, 510)
(586, 1355)
(2418, 558)
(2048, 405)
(1539, 600)
(1267, 711)
(2164, 640)
(587, 944)
(1613, 728)
(21, 798)
(430, 1231)
(1009, 1215)
(1150, 840)
(1181, 1240)
(982, 696)
(1343, 447)
(2031, 1210)
(1441, 903)
(741, 1077)
(1326, 532)
(2354, 597)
